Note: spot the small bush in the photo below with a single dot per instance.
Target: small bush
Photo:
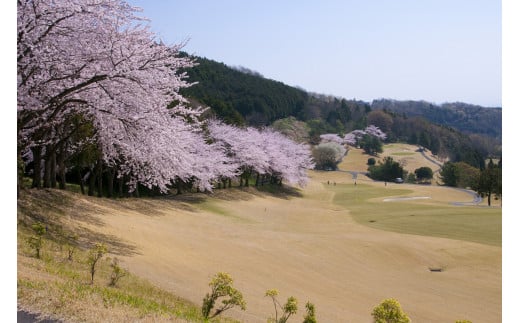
(221, 286)
(290, 307)
(310, 317)
(94, 255)
(117, 272)
(35, 241)
(389, 311)
(371, 161)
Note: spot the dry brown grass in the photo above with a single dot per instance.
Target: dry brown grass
(304, 244)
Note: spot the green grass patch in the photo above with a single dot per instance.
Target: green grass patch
(420, 217)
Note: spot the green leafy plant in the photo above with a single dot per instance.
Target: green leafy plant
(35, 241)
(117, 272)
(310, 317)
(221, 287)
(389, 311)
(290, 307)
(94, 255)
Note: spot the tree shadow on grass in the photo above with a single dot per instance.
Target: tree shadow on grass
(53, 207)
(247, 193)
(88, 239)
(50, 207)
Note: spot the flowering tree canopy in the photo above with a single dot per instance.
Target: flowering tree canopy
(94, 59)
(331, 137)
(264, 152)
(91, 74)
(352, 138)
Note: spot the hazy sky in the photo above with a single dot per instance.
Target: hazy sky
(433, 50)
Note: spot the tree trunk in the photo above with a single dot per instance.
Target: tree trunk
(81, 182)
(120, 184)
(110, 182)
(62, 170)
(136, 191)
(99, 174)
(257, 179)
(489, 198)
(91, 182)
(47, 173)
(19, 171)
(53, 169)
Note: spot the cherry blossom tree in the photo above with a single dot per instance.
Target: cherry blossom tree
(266, 153)
(354, 137)
(332, 137)
(97, 62)
(375, 132)
(93, 81)
(288, 160)
(242, 146)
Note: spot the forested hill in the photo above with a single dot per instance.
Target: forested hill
(461, 116)
(241, 96)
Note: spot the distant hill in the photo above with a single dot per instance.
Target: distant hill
(239, 95)
(458, 131)
(464, 117)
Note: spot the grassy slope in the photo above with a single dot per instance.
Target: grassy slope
(56, 287)
(230, 230)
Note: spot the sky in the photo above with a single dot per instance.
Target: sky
(433, 50)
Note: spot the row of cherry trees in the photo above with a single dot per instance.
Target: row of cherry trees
(354, 137)
(97, 91)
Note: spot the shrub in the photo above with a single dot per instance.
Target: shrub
(117, 272)
(221, 286)
(371, 161)
(94, 255)
(328, 155)
(290, 307)
(387, 170)
(35, 241)
(389, 311)
(423, 173)
(310, 317)
(411, 178)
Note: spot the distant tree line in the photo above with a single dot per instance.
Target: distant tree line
(464, 117)
(456, 131)
(486, 181)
